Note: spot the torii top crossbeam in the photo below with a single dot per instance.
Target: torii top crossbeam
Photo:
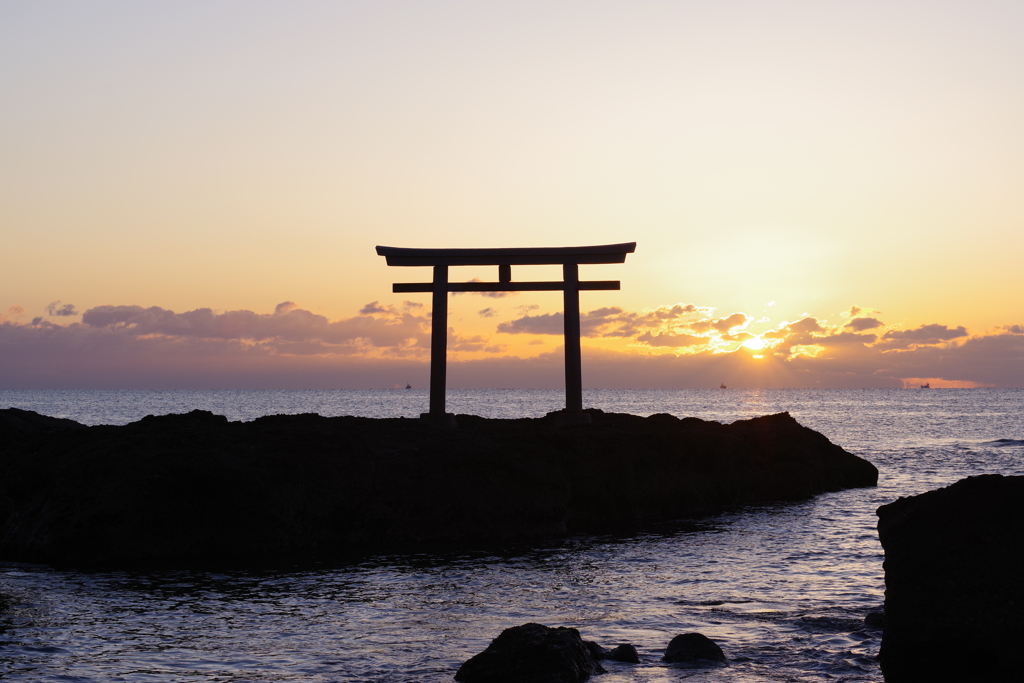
(514, 256)
(568, 257)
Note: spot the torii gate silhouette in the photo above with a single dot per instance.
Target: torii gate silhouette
(569, 258)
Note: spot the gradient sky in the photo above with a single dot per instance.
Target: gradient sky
(190, 192)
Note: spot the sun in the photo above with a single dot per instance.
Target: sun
(755, 344)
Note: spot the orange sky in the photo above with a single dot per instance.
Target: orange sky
(839, 180)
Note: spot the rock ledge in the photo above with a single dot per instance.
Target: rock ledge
(197, 488)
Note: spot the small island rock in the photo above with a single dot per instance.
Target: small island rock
(693, 647)
(534, 653)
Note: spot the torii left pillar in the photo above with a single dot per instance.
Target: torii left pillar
(439, 343)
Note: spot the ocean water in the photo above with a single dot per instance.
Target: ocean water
(784, 588)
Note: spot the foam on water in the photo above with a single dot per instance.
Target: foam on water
(783, 588)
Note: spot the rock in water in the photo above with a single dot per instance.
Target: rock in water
(532, 653)
(954, 593)
(692, 647)
(623, 653)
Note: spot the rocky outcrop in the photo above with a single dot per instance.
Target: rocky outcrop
(693, 648)
(535, 653)
(953, 589)
(197, 488)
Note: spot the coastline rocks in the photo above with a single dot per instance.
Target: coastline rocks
(17, 424)
(693, 647)
(196, 488)
(954, 594)
(535, 653)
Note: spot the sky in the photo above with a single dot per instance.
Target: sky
(822, 194)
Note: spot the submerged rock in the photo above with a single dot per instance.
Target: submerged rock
(534, 653)
(623, 653)
(197, 488)
(875, 619)
(693, 647)
(954, 593)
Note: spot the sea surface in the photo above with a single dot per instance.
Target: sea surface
(784, 589)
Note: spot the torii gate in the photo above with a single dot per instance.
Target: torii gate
(568, 257)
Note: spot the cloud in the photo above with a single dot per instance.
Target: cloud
(615, 322)
(546, 323)
(845, 338)
(378, 326)
(861, 324)
(806, 326)
(368, 309)
(13, 313)
(925, 334)
(487, 313)
(808, 336)
(492, 295)
(722, 325)
(473, 344)
(686, 328)
(799, 333)
(607, 322)
(670, 340)
(55, 309)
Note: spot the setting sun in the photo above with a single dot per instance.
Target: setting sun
(755, 344)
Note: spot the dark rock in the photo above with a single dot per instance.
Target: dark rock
(532, 653)
(954, 592)
(875, 619)
(197, 488)
(623, 653)
(693, 647)
(191, 418)
(15, 424)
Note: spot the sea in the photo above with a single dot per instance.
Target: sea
(784, 589)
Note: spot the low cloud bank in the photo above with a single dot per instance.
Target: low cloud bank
(677, 346)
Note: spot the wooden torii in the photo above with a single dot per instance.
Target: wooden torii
(569, 258)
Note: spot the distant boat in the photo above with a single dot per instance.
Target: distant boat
(408, 386)
(722, 387)
(926, 385)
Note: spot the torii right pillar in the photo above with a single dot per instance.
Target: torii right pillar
(571, 322)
